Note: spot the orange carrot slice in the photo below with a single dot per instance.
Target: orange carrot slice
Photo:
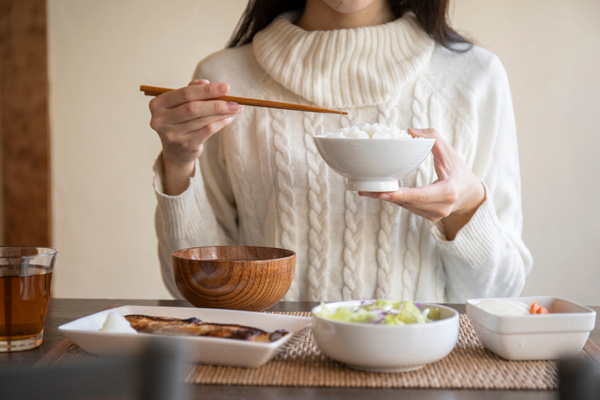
(537, 309)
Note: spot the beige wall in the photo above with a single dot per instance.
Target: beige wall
(103, 148)
(550, 51)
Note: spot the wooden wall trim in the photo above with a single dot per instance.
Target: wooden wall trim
(24, 127)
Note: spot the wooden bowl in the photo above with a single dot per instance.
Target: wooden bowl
(234, 277)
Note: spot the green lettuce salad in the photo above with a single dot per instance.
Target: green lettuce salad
(382, 312)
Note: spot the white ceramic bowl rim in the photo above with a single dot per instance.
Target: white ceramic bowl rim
(383, 326)
(583, 310)
(373, 140)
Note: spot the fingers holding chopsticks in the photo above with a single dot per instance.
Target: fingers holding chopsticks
(191, 108)
(184, 119)
(192, 92)
(201, 90)
(199, 109)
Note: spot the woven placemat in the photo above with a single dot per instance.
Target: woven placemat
(468, 366)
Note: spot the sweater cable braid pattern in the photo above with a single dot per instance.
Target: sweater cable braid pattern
(252, 223)
(412, 261)
(388, 218)
(318, 202)
(352, 254)
(285, 183)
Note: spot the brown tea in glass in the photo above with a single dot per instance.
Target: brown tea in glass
(25, 285)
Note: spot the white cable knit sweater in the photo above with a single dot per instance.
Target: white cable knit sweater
(261, 181)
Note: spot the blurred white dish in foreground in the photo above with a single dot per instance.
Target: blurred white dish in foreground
(385, 348)
(563, 332)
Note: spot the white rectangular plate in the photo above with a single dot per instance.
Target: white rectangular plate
(202, 350)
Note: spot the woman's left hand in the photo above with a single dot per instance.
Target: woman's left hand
(453, 197)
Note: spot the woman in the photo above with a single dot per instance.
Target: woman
(452, 232)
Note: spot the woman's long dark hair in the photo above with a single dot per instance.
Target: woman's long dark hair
(431, 14)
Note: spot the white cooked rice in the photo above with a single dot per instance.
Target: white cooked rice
(369, 131)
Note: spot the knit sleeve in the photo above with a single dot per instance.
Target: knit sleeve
(488, 258)
(204, 214)
(186, 220)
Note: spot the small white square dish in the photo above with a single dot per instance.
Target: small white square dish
(202, 350)
(560, 333)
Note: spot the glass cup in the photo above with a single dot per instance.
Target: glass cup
(25, 280)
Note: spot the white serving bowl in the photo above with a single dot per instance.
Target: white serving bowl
(385, 348)
(373, 165)
(561, 333)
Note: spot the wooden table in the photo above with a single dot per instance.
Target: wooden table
(64, 310)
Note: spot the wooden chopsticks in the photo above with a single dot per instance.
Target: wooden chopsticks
(155, 91)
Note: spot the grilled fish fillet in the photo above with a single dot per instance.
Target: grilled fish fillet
(195, 327)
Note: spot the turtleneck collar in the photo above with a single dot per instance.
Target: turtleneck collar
(343, 68)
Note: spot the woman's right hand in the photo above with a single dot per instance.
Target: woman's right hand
(184, 119)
